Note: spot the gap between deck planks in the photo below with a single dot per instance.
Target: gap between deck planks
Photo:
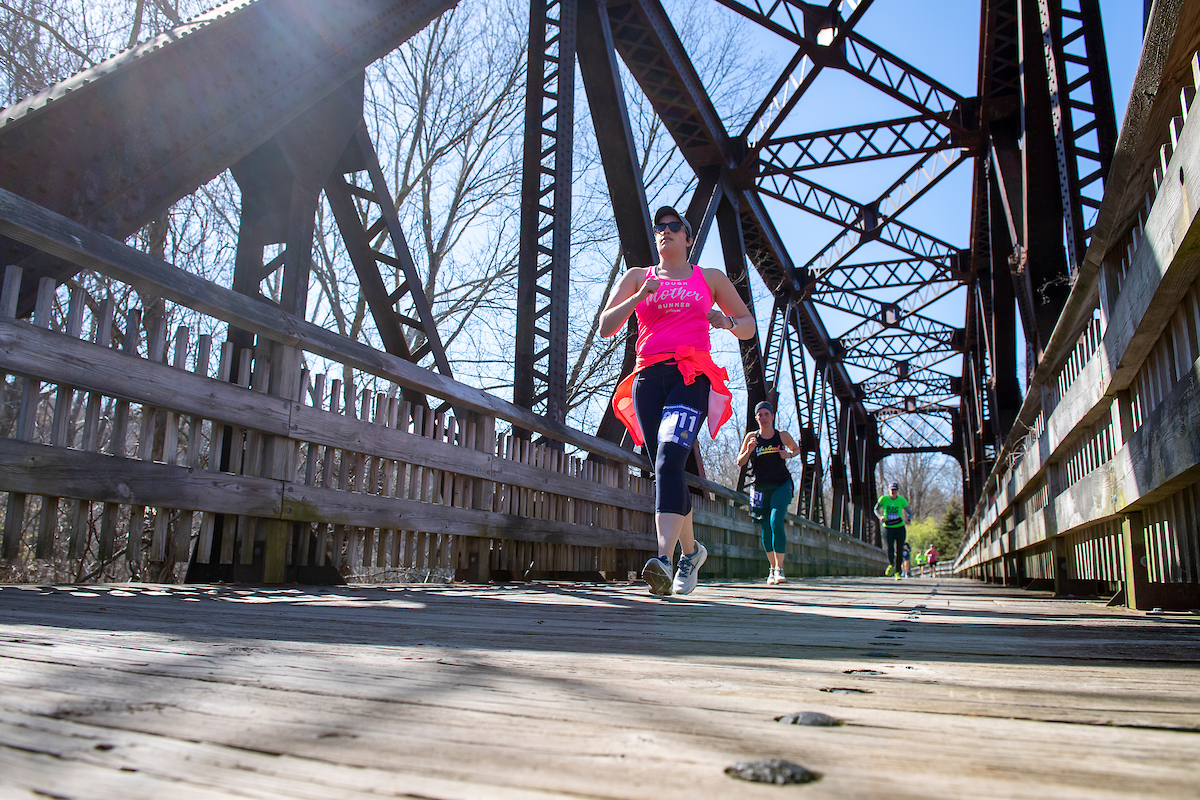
(560, 689)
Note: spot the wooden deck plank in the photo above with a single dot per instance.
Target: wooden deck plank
(590, 691)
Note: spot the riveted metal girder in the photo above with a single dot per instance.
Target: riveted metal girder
(783, 360)
(280, 184)
(366, 215)
(1043, 258)
(734, 253)
(1085, 125)
(1029, 125)
(874, 221)
(544, 261)
(614, 136)
(820, 35)
(941, 136)
(854, 144)
(1048, 132)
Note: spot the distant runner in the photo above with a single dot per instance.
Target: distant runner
(767, 449)
(931, 558)
(893, 513)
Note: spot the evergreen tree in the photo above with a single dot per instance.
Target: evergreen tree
(950, 531)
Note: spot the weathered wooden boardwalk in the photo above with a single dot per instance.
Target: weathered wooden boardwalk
(949, 688)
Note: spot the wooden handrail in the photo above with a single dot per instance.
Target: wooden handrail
(28, 222)
(463, 498)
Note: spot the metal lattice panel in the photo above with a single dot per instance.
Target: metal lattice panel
(540, 375)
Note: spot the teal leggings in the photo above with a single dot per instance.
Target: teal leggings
(775, 504)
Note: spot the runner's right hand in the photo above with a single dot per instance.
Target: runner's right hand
(651, 285)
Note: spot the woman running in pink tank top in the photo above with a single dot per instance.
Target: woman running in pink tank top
(675, 384)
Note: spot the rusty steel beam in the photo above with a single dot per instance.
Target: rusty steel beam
(544, 261)
(854, 144)
(1081, 107)
(819, 33)
(614, 135)
(362, 204)
(733, 252)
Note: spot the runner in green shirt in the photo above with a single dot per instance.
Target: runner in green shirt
(893, 513)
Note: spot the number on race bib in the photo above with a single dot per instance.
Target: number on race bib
(678, 425)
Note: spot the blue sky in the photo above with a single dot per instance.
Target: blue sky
(940, 38)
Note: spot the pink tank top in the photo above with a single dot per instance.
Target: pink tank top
(675, 315)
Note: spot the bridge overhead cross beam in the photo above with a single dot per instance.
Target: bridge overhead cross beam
(854, 144)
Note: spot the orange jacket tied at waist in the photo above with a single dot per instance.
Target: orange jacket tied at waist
(691, 362)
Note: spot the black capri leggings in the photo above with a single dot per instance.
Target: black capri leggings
(670, 413)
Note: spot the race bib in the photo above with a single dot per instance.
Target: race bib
(756, 498)
(678, 425)
(893, 515)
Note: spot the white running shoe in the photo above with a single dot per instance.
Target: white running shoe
(779, 578)
(771, 578)
(689, 570)
(657, 573)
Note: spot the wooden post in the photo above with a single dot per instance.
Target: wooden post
(81, 524)
(155, 348)
(476, 549)
(183, 531)
(1133, 551)
(1061, 556)
(60, 434)
(14, 517)
(283, 380)
(275, 551)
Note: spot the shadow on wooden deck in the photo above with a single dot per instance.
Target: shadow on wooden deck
(949, 688)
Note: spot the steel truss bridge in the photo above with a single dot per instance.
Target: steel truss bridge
(1038, 136)
(273, 91)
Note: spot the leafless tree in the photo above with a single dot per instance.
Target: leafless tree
(926, 480)
(444, 111)
(41, 42)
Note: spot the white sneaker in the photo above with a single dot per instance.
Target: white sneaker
(689, 570)
(657, 573)
(779, 578)
(771, 577)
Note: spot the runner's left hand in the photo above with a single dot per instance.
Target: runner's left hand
(718, 319)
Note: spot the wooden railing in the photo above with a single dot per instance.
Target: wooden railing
(1096, 488)
(133, 451)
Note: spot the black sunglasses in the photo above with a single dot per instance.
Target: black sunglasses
(672, 226)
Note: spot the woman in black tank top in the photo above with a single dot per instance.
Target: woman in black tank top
(766, 449)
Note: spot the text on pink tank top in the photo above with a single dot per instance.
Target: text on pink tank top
(675, 315)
